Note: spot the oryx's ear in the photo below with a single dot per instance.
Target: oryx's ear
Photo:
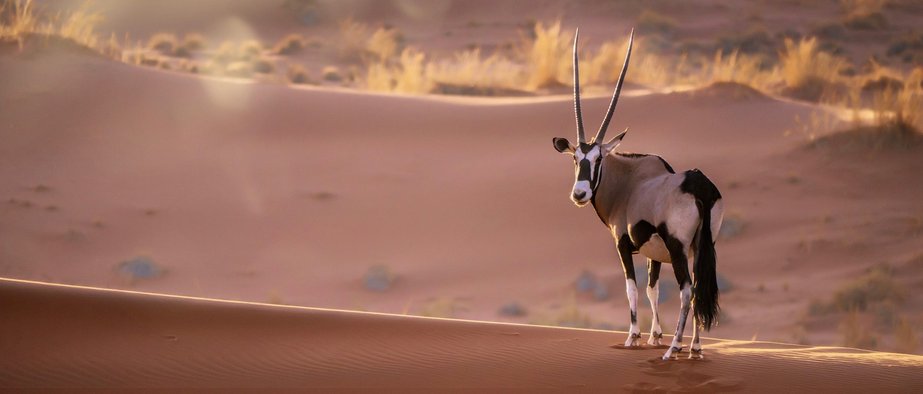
(615, 141)
(563, 145)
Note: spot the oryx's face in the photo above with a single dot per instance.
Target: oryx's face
(588, 156)
(588, 160)
(588, 165)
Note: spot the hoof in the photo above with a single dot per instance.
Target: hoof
(633, 340)
(655, 338)
(672, 352)
(696, 354)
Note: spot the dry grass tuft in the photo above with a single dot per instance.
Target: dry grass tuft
(17, 19)
(469, 70)
(548, 57)
(809, 73)
(742, 69)
(409, 75)
(384, 43)
(80, 26)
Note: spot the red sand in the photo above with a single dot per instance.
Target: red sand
(78, 337)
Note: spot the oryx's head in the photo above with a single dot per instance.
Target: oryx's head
(588, 156)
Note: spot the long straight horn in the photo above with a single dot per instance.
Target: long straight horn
(618, 89)
(581, 137)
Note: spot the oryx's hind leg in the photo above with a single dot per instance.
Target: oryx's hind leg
(653, 295)
(695, 349)
(631, 288)
(681, 269)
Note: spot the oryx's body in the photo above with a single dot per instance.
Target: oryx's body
(649, 209)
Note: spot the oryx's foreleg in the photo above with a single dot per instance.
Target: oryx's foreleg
(653, 295)
(681, 269)
(626, 248)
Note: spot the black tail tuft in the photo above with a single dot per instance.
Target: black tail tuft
(705, 287)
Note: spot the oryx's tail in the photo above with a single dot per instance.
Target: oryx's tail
(705, 286)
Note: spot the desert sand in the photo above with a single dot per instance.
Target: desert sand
(80, 337)
(245, 193)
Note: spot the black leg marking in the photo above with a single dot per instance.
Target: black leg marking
(626, 248)
(653, 273)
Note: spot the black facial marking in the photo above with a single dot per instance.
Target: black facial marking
(700, 187)
(653, 273)
(583, 172)
(639, 155)
(641, 233)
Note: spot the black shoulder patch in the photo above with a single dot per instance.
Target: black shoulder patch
(637, 155)
(700, 187)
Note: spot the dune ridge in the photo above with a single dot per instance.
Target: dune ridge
(63, 336)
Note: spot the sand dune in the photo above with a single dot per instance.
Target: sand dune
(79, 337)
(255, 191)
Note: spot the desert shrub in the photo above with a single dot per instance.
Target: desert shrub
(548, 57)
(807, 72)
(250, 49)
(298, 75)
(289, 45)
(650, 21)
(513, 309)
(331, 74)
(193, 42)
(139, 268)
(165, 43)
(383, 43)
(378, 278)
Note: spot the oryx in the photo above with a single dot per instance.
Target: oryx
(649, 208)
